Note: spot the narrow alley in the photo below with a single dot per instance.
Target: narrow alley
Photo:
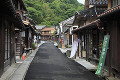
(50, 64)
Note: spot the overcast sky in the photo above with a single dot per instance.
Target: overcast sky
(81, 1)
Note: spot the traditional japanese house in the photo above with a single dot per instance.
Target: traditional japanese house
(9, 20)
(88, 31)
(62, 35)
(68, 23)
(21, 11)
(111, 24)
(65, 31)
(38, 29)
(47, 33)
(28, 34)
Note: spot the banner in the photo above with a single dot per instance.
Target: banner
(103, 54)
(67, 35)
(74, 49)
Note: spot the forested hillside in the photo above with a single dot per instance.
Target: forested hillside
(51, 12)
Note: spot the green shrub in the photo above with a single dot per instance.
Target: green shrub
(33, 46)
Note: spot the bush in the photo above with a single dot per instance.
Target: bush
(33, 46)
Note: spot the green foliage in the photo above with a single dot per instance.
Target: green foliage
(33, 46)
(51, 12)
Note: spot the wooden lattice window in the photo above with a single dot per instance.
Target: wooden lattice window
(7, 44)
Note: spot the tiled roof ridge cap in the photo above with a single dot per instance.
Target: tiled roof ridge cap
(110, 10)
(79, 12)
(98, 2)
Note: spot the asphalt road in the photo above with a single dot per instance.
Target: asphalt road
(50, 64)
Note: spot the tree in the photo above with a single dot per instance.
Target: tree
(52, 12)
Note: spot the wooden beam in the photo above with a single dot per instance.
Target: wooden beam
(109, 4)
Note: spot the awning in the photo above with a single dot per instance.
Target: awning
(88, 26)
(18, 22)
(109, 12)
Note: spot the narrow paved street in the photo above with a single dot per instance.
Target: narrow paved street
(50, 64)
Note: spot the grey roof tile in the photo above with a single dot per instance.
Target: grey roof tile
(96, 2)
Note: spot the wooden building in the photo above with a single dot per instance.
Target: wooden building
(28, 33)
(88, 31)
(47, 33)
(10, 21)
(92, 33)
(38, 30)
(19, 42)
(65, 31)
(111, 24)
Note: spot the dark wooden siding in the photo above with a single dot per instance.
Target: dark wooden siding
(2, 47)
(12, 58)
(113, 56)
(118, 45)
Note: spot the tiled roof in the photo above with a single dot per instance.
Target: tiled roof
(93, 11)
(98, 2)
(69, 20)
(87, 12)
(40, 27)
(48, 29)
(110, 11)
(86, 26)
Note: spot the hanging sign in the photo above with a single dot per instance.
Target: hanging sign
(67, 35)
(103, 54)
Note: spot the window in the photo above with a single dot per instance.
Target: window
(7, 44)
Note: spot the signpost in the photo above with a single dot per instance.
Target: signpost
(67, 35)
(103, 54)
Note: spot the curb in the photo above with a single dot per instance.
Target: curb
(18, 71)
(21, 71)
(29, 63)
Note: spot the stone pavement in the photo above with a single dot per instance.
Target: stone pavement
(86, 64)
(50, 64)
(18, 70)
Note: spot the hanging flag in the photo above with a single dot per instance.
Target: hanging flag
(74, 49)
(103, 54)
